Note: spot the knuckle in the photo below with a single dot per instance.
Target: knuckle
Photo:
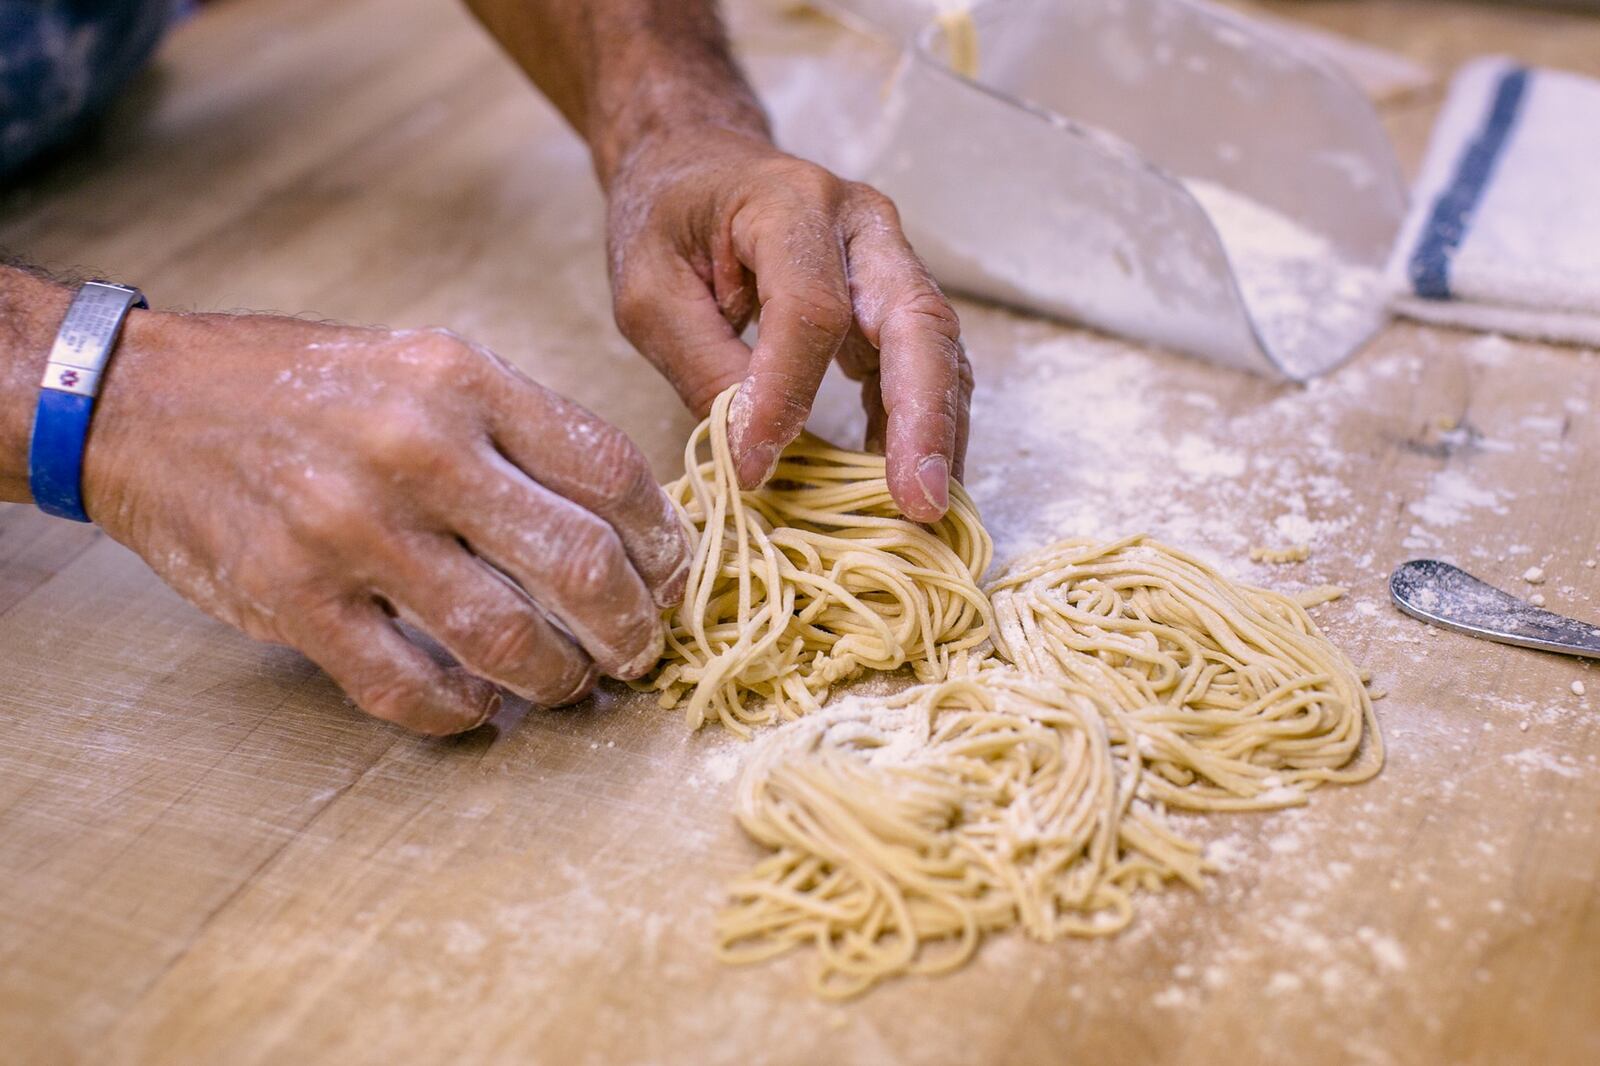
(401, 442)
(592, 557)
(621, 474)
(928, 309)
(326, 514)
(874, 204)
(799, 199)
(511, 650)
(814, 183)
(824, 309)
(439, 358)
(632, 307)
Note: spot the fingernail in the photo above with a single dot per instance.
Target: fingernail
(670, 592)
(757, 465)
(933, 477)
(490, 708)
(581, 690)
(646, 660)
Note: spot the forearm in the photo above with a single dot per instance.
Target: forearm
(31, 310)
(622, 71)
(709, 224)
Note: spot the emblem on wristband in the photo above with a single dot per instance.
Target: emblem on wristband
(75, 379)
(87, 335)
(82, 348)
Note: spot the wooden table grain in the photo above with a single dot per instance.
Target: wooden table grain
(207, 856)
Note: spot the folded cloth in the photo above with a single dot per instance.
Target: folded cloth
(1504, 231)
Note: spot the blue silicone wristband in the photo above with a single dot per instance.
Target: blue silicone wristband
(66, 398)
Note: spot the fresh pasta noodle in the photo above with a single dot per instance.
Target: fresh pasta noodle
(809, 581)
(961, 39)
(905, 828)
(1062, 710)
(1028, 790)
(1234, 697)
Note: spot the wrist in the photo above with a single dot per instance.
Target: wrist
(133, 379)
(667, 105)
(31, 312)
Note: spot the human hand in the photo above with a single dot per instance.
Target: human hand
(710, 226)
(306, 483)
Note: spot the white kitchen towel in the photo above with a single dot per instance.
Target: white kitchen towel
(1504, 230)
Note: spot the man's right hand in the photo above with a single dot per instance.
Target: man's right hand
(306, 483)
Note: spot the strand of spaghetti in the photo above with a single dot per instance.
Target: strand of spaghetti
(810, 581)
(1028, 788)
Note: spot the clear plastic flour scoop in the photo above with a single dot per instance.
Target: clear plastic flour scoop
(1166, 170)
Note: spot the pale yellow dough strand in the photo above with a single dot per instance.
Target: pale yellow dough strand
(961, 39)
(904, 829)
(1064, 709)
(809, 581)
(1236, 700)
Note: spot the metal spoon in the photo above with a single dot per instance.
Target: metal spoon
(1449, 597)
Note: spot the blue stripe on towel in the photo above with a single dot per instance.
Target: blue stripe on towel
(1452, 211)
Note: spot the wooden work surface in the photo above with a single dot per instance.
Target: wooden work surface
(207, 856)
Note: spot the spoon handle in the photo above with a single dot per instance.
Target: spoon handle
(1449, 597)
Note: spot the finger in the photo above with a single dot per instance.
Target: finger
(857, 356)
(587, 460)
(569, 560)
(388, 676)
(486, 623)
(877, 417)
(688, 334)
(859, 361)
(922, 367)
(799, 263)
(730, 281)
(735, 290)
(963, 415)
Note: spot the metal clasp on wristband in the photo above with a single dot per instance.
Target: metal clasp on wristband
(66, 397)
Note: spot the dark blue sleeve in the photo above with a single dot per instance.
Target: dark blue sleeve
(63, 61)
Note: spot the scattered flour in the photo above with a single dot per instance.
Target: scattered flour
(1385, 949)
(1538, 761)
(1284, 983)
(1203, 458)
(1451, 498)
(1169, 997)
